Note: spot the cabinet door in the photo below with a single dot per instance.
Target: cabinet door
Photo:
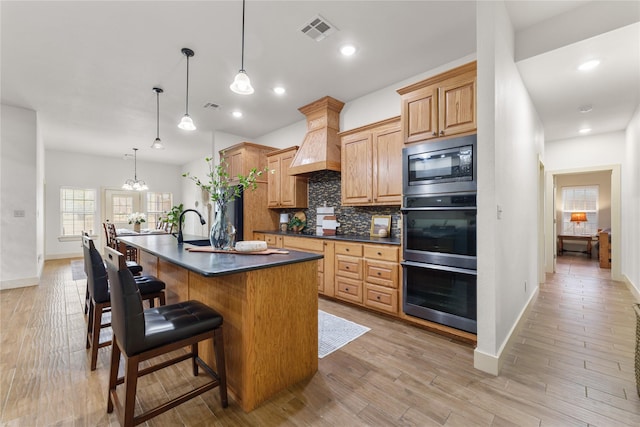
(273, 181)
(356, 169)
(287, 182)
(420, 114)
(387, 164)
(457, 98)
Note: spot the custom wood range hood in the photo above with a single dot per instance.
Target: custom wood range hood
(320, 148)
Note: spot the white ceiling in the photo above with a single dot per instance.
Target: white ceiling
(89, 67)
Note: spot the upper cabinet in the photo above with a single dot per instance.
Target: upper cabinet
(440, 106)
(285, 190)
(371, 164)
(243, 157)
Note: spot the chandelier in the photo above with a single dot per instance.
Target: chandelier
(135, 184)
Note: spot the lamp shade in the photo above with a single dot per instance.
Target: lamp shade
(187, 123)
(578, 217)
(241, 84)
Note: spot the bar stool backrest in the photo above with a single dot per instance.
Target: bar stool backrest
(127, 313)
(97, 280)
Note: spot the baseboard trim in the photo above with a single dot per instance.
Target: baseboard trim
(63, 256)
(19, 283)
(492, 364)
(632, 287)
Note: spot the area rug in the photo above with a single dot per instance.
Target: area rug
(77, 270)
(335, 332)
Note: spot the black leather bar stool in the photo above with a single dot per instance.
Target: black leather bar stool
(100, 299)
(134, 267)
(140, 335)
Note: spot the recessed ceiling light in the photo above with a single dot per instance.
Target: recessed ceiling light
(589, 65)
(348, 50)
(585, 108)
(279, 90)
(237, 114)
(585, 130)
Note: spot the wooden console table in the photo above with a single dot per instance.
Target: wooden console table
(584, 238)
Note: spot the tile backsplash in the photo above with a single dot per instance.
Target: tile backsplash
(324, 189)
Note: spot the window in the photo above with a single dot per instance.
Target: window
(157, 206)
(580, 199)
(77, 211)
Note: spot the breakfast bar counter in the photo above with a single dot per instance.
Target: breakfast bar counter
(269, 304)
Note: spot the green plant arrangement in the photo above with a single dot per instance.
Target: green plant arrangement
(173, 215)
(222, 189)
(296, 224)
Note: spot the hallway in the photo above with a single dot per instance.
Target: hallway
(572, 364)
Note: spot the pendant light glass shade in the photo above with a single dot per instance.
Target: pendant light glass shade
(135, 183)
(187, 123)
(157, 144)
(241, 84)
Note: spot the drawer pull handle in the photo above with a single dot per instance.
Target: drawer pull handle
(378, 297)
(380, 253)
(346, 289)
(347, 249)
(379, 273)
(347, 267)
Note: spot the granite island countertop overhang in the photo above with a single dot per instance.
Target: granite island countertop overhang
(166, 247)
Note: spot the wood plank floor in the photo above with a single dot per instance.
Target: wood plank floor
(572, 364)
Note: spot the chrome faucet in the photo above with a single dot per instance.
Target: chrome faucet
(202, 221)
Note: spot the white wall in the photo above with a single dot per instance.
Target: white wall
(20, 242)
(379, 105)
(630, 215)
(585, 151)
(88, 171)
(510, 143)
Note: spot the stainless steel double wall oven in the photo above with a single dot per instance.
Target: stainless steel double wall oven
(439, 232)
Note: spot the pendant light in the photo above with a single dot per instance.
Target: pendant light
(241, 83)
(135, 184)
(157, 144)
(186, 123)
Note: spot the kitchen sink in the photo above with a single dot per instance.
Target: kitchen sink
(199, 242)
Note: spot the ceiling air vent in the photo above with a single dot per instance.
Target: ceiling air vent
(318, 28)
(211, 105)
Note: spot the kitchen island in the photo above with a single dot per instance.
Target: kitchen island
(269, 304)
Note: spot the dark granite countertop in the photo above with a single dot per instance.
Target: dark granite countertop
(211, 264)
(340, 237)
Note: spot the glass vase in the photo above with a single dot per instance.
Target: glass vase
(222, 235)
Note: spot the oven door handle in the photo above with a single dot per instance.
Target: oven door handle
(439, 267)
(439, 208)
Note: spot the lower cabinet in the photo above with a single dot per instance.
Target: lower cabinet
(360, 273)
(368, 274)
(325, 265)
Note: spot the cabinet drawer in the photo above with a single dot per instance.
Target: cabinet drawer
(273, 240)
(385, 253)
(381, 273)
(381, 298)
(353, 249)
(347, 266)
(303, 244)
(348, 289)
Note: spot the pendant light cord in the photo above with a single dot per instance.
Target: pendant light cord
(135, 164)
(242, 59)
(187, 100)
(157, 115)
